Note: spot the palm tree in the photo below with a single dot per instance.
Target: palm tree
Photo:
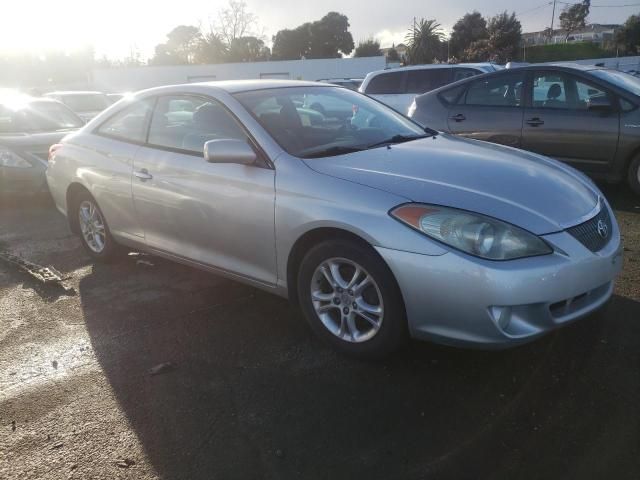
(423, 41)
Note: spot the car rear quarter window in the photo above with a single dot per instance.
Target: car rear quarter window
(425, 80)
(129, 124)
(503, 90)
(386, 83)
(452, 95)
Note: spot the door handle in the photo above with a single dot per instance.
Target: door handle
(535, 122)
(143, 174)
(459, 118)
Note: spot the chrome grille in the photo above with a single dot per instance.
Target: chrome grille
(590, 233)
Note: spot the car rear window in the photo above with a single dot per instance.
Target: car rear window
(386, 83)
(85, 102)
(38, 116)
(462, 73)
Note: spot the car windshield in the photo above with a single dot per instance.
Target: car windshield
(311, 122)
(620, 79)
(85, 102)
(38, 116)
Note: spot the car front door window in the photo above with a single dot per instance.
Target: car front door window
(550, 90)
(185, 123)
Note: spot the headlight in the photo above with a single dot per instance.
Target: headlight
(11, 159)
(472, 233)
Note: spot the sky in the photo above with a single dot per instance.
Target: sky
(115, 27)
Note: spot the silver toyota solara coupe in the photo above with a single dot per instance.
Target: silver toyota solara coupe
(379, 231)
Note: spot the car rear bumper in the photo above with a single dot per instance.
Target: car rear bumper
(461, 300)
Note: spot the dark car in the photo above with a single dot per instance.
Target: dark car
(28, 127)
(583, 115)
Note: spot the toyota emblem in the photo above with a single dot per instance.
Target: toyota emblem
(603, 230)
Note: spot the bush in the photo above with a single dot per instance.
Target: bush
(559, 52)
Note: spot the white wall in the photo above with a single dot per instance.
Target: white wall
(137, 78)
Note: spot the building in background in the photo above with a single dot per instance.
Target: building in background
(595, 33)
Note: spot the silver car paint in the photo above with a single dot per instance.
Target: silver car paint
(449, 170)
(352, 193)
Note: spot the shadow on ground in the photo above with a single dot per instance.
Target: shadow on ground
(249, 393)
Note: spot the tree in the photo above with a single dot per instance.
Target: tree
(573, 17)
(247, 49)
(628, 37)
(504, 35)
(212, 49)
(393, 55)
(478, 51)
(369, 48)
(328, 37)
(181, 47)
(235, 22)
(470, 28)
(292, 44)
(423, 41)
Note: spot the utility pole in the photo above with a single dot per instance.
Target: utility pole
(553, 16)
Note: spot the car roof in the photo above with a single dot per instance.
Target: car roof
(235, 86)
(231, 86)
(559, 66)
(433, 65)
(74, 92)
(429, 66)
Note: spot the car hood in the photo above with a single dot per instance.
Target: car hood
(524, 189)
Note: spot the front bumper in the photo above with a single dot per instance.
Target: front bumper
(460, 300)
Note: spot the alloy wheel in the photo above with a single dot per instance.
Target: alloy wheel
(347, 300)
(92, 226)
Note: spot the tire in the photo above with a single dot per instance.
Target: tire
(633, 176)
(336, 312)
(103, 247)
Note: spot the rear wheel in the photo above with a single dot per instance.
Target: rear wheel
(94, 231)
(351, 300)
(633, 177)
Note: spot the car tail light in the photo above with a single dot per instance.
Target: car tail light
(52, 150)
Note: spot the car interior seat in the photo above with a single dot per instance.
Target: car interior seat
(210, 122)
(553, 94)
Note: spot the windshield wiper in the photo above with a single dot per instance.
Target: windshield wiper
(333, 151)
(397, 139)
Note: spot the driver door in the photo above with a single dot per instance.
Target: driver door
(215, 214)
(559, 122)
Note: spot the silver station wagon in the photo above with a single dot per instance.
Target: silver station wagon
(379, 231)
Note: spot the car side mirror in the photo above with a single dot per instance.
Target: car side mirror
(599, 104)
(229, 151)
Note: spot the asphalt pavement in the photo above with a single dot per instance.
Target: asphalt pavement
(146, 369)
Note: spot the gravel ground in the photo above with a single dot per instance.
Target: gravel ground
(153, 370)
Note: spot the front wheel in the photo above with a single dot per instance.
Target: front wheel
(633, 177)
(351, 299)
